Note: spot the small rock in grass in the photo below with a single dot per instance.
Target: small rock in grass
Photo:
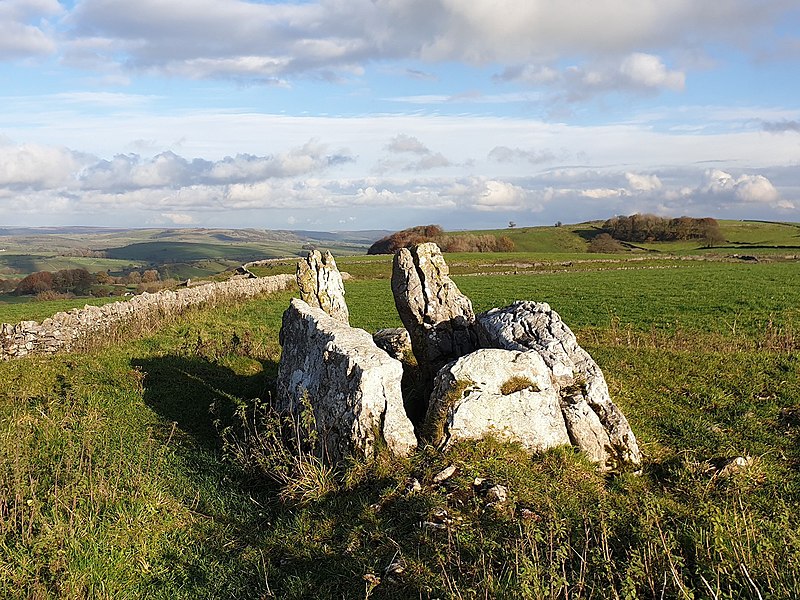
(497, 494)
(735, 466)
(395, 569)
(412, 486)
(444, 474)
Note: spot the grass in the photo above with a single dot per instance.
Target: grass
(115, 483)
(14, 309)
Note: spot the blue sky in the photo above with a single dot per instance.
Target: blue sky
(364, 114)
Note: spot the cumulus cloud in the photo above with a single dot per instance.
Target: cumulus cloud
(637, 72)
(274, 41)
(781, 126)
(179, 218)
(504, 154)
(643, 183)
(38, 167)
(21, 30)
(131, 171)
(407, 143)
(745, 188)
(501, 195)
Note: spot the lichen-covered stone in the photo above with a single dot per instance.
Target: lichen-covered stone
(395, 341)
(321, 285)
(352, 386)
(438, 317)
(470, 400)
(595, 423)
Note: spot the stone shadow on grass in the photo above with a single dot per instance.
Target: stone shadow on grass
(192, 392)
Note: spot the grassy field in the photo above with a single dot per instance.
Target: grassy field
(14, 309)
(756, 237)
(115, 481)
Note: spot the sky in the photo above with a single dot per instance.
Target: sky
(383, 114)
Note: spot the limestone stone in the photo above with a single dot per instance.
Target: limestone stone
(438, 317)
(395, 341)
(501, 392)
(595, 423)
(352, 386)
(321, 285)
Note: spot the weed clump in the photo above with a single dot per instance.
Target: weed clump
(517, 383)
(433, 428)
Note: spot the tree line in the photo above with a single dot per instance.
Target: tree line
(79, 282)
(466, 242)
(651, 228)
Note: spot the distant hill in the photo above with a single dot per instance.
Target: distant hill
(740, 236)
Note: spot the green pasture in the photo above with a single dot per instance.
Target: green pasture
(32, 263)
(752, 237)
(14, 309)
(117, 481)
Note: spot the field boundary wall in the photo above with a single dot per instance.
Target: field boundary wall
(79, 327)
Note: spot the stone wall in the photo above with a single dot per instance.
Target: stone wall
(70, 330)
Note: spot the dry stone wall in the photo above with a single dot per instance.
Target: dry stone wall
(67, 331)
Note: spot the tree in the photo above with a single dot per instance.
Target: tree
(605, 244)
(150, 276)
(35, 283)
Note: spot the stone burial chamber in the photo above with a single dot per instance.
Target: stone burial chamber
(516, 372)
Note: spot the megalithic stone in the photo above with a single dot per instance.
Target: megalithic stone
(595, 424)
(436, 314)
(321, 285)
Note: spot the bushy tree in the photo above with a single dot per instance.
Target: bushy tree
(605, 244)
(650, 228)
(35, 283)
(150, 276)
(466, 242)
(73, 281)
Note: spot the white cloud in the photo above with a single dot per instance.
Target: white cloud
(745, 188)
(637, 72)
(179, 218)
(167, 169)
(648, 71)
(37, 166)
(643, 183)
(21, 31)
(504, 154)
(602, 193)
(407, 143)
(501, 195)
(279, 40)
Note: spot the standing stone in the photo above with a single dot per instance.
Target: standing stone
(595, 423)
(352, 386)
(321, 285)
(436, 314)
(499, 392)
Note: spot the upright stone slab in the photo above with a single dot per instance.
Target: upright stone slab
(436, 314)
(594, 422)
(321, 285)
(352, 386)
